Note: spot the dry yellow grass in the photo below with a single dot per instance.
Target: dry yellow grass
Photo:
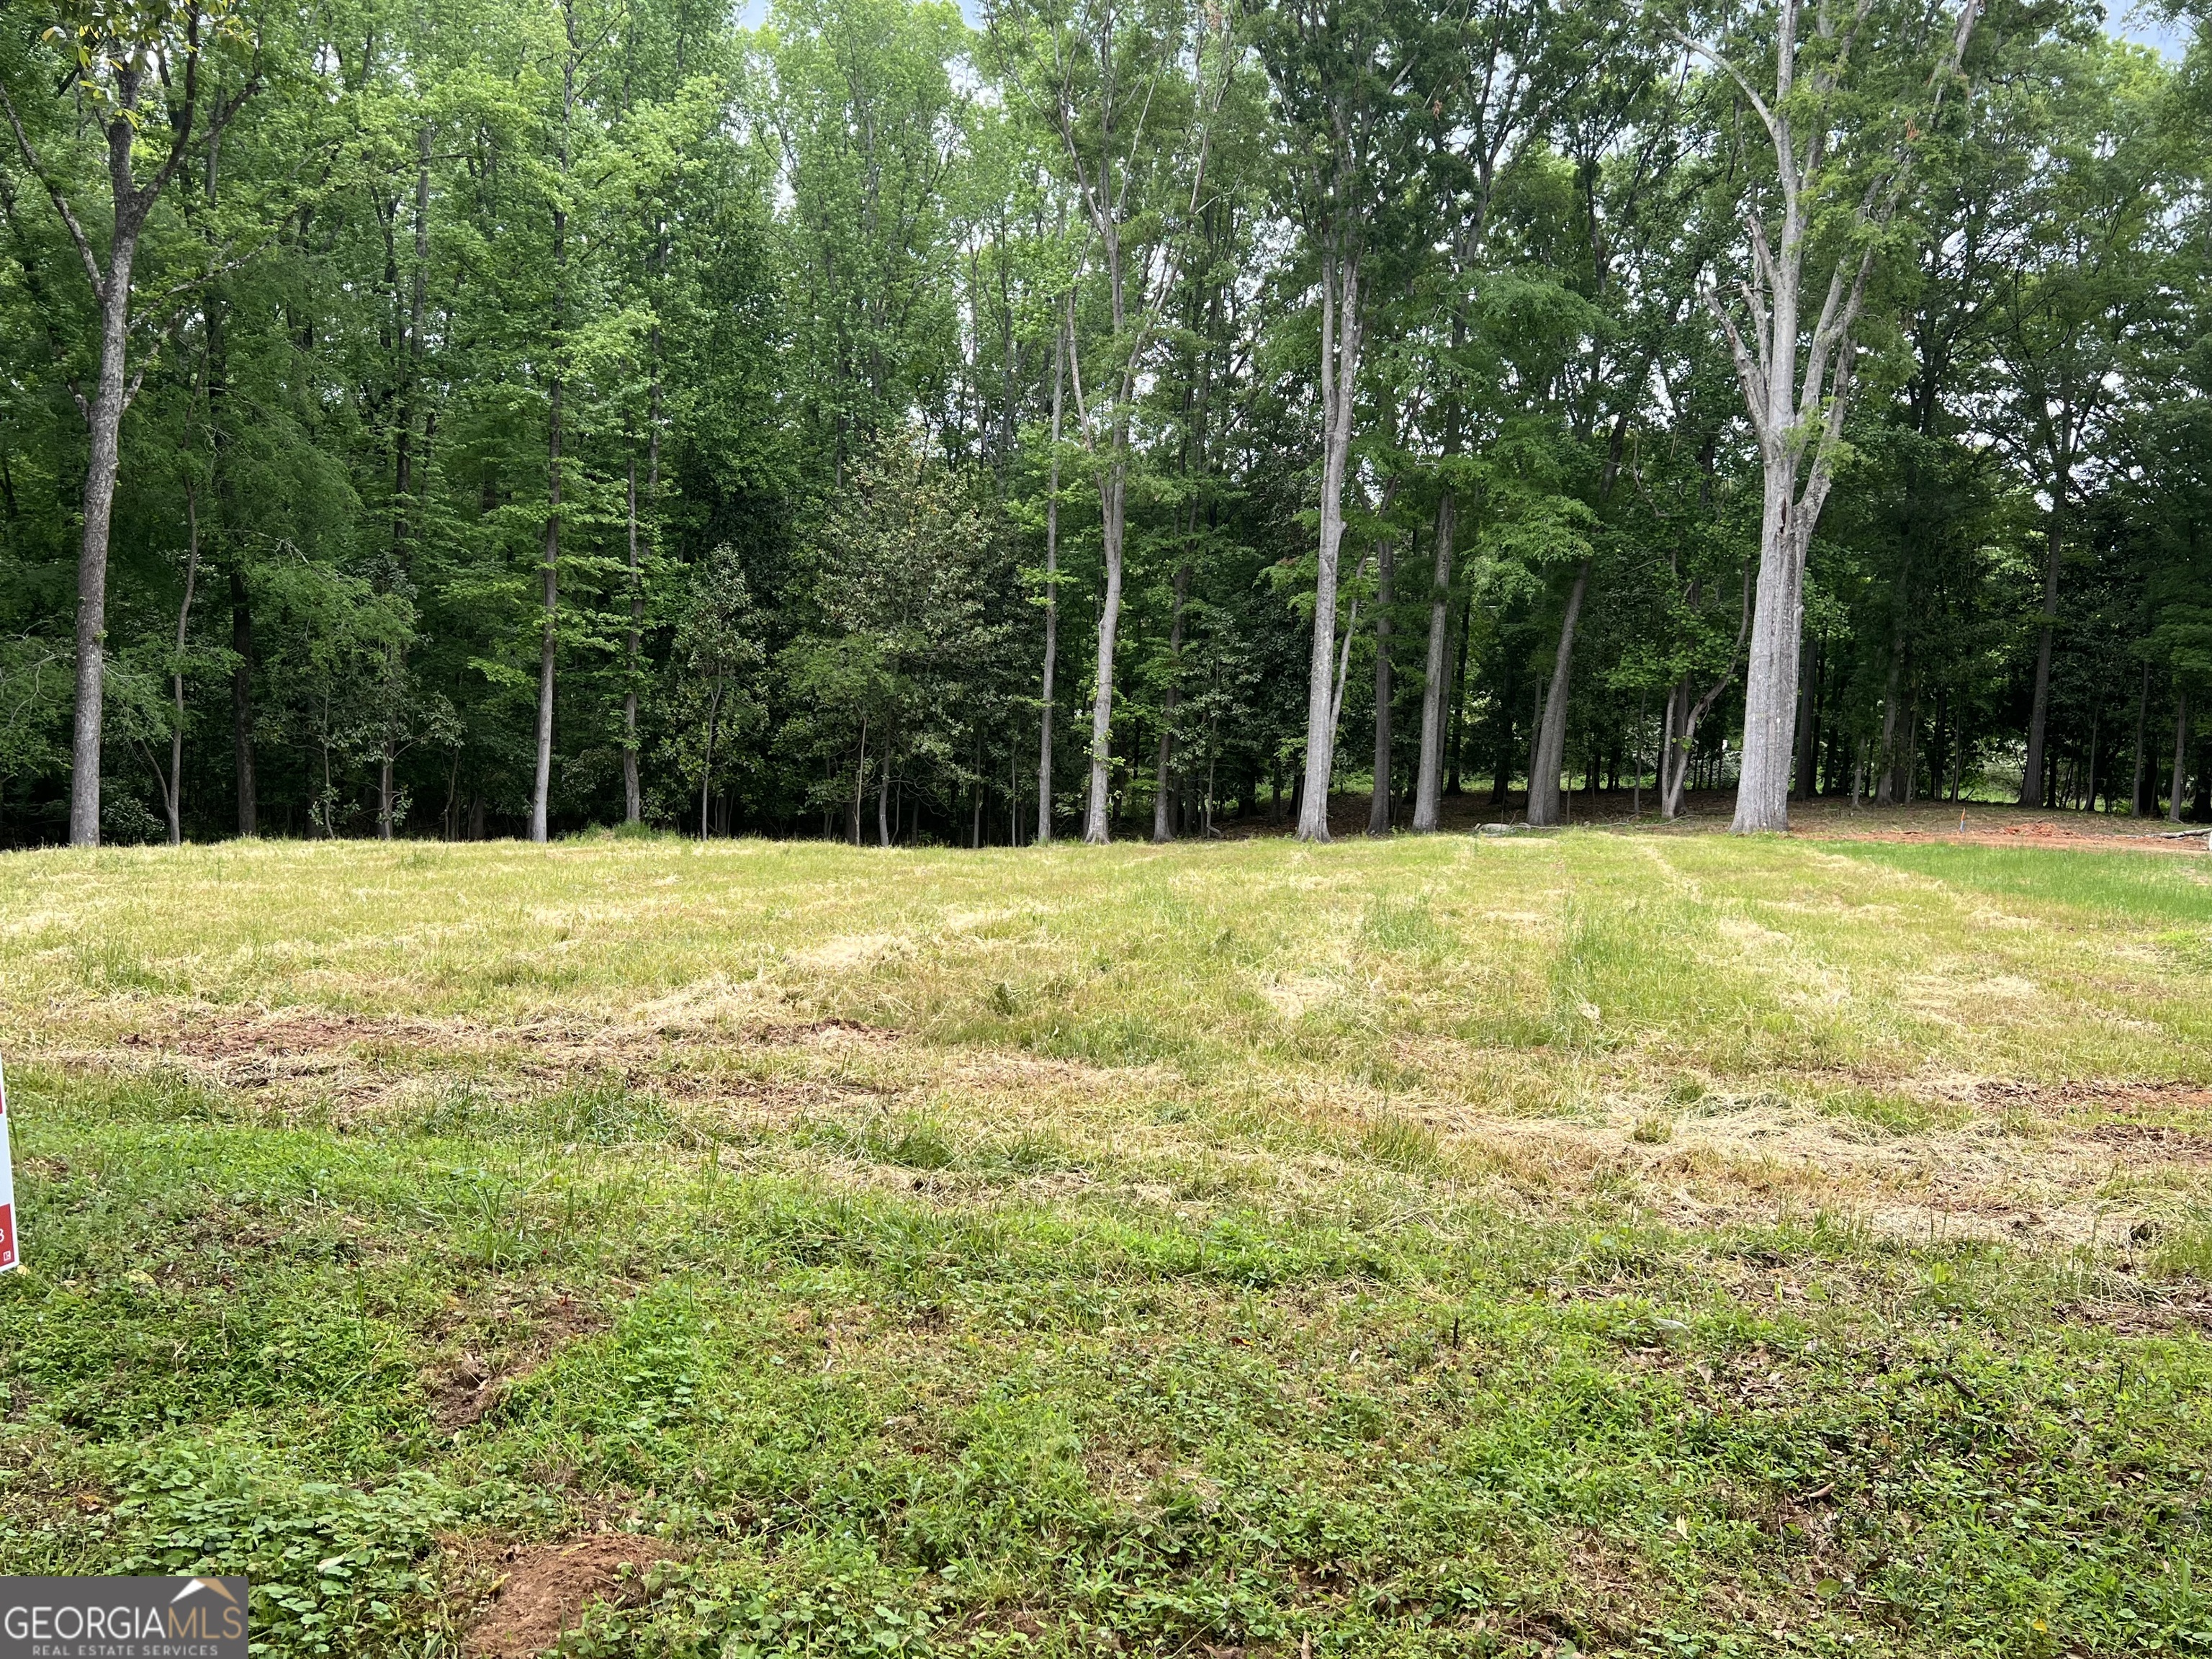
(1813, 1024)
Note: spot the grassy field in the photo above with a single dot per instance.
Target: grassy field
(1602, 1242)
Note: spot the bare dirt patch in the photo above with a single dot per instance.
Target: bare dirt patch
(826, 1033)
(463, 1389)
(221, 1034)
(2159, 1140)
(545, 1591)
(2080, 1097)
(358, 1063)
(242, 1041)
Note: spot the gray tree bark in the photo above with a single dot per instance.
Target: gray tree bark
(633, 794)
(541, 794)
(1428, 776)
(1106, 200)
(2180, 757)
(1341, 325)
(1545, 807)
(1797, 387)
(105, 421)
(1163, 801)
(633, 789)
(1378, 808)
(2137, 807)
(241, 607)
(2039, 715)
(173, 786)
(242, 701)
(1051, 595)
(131, 203)
(103, 416)
(1113, 491)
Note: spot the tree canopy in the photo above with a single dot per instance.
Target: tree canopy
(1112, 417)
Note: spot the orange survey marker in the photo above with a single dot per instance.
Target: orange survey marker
(8, 1255)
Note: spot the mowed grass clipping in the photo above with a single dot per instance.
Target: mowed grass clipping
(1606, 1243)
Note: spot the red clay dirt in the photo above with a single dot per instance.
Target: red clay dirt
(546, 1590)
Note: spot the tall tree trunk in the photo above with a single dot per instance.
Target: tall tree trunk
(1908, 761)
(1776, 634)
(1113, 477)
(1378, 807)
(1798, 386)
(2031, 778)
(1113, 491)
(216, 319)
(1438, 719)
(707, 773)
(1341, 325)
(2180, 757)
(541, 793)
(1164, 827)
(105, 418)
(1107, 204)
(173, 796)
(1636, 779)
(1456, 724)
(1939, 747)
(860, 780)
(1113, 495)
(1544, 803)
(1429, 769)
(549, 597)
(2137, 806)
(405, 519)
(241, 699)
(633, 796)
(1673, 749)
(633, 787)
(1806, 784)
(405, 528)
(2096, 722)
(884, 802)
(131, 203)
(103, 413)
(1343, 682)
(1051, 595)
(1885, 793)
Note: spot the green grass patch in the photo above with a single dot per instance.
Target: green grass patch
(1395, 1249)
(2140, 887)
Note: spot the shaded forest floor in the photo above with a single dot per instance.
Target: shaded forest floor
(1611, 1242)
(1829, 818)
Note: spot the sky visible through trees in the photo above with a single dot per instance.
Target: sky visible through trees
(881, 419)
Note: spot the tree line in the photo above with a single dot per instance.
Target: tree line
(1104, 418)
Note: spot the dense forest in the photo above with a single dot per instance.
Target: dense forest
(1102, 417)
